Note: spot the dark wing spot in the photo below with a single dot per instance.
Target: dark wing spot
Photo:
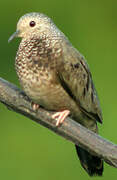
(92, 97)
(92, 85)
(88, 78)
(84, 76)
(76, 65)
(93, 91)
(71, 65)
(87, 84)
(84, 91)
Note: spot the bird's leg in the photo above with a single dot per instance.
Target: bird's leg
(35, 106)
(60, 116)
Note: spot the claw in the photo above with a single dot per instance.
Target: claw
(35, 106)
(60, 116)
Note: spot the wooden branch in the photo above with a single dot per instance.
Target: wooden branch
(16, 100)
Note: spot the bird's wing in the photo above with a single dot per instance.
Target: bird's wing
(75, 77)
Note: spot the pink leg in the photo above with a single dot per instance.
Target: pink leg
(35, 106)
(60, 116)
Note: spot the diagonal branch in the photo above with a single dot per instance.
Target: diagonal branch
(16, 100)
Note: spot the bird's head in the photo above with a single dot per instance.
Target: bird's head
(31, 23)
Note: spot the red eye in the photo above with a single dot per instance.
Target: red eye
(32, 23)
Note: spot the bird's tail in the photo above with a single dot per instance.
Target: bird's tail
(92, 164)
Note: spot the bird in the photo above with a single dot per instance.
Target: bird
(56, 76)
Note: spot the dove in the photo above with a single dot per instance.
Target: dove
(56, 76)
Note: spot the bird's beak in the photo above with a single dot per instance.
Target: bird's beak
(15, 34)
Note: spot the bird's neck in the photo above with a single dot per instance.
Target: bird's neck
(43, 46)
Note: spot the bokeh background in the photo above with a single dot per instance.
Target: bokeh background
(29, 151)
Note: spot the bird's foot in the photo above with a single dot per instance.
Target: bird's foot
(60, 116)
(35, 106)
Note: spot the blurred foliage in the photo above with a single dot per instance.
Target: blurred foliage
(27, 150)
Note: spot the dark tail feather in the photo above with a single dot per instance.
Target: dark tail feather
(92, 164)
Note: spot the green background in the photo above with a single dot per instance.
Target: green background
(29, 151)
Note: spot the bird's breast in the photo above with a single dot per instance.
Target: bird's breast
(37, 75)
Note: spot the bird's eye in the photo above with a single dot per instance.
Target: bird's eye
(32, 23)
